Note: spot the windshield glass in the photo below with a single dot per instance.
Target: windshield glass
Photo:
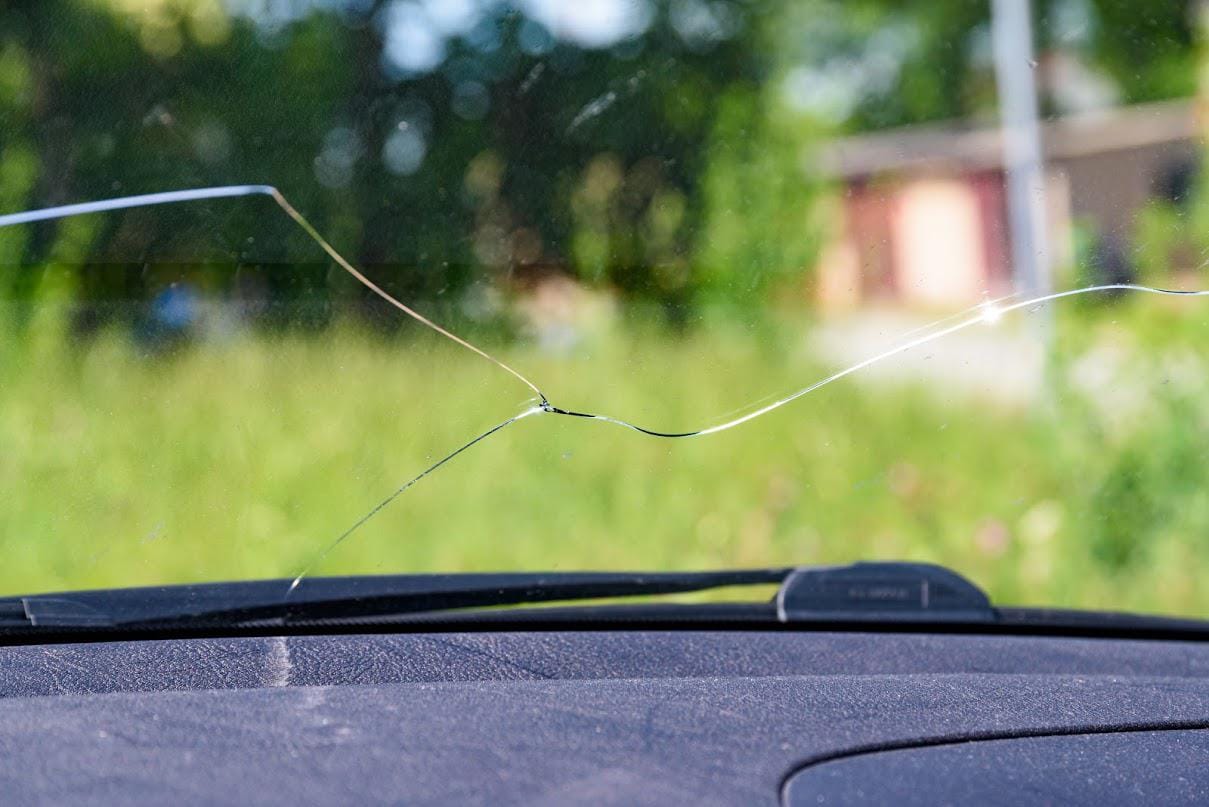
(328, 287)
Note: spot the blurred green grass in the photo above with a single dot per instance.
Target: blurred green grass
(246, 458)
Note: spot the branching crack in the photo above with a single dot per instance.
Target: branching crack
(984, 314)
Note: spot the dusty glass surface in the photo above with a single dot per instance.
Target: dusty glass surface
(452, 286)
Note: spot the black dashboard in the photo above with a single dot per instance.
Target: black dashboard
(624, 717)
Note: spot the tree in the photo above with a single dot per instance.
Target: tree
(660, 154)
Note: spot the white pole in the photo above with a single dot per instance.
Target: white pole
(1024, 168)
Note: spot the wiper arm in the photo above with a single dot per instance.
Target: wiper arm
(882, 592)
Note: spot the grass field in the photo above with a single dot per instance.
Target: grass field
(245, 458)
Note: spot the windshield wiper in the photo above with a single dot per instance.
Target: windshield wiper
(863, 596)
(863, 591)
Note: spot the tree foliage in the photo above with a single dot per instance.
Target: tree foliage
(670, 161)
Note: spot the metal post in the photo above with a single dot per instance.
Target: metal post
(1024, 168)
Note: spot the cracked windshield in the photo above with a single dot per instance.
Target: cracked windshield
(301, 288)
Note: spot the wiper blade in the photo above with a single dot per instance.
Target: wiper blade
(261, 601)
(863, 596)
(862, 592)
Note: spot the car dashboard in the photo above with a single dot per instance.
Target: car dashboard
(602, 716)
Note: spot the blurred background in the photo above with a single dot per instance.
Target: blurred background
(667, 211)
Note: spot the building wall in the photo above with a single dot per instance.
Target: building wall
(1109, 188)
(940, 257)
(933, 241)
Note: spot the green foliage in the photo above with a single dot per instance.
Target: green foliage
(111, 98)
(1159, 235)
(1149, 52)
(894, 64)
(668, 166)
(1173, 236)
(759, 225)
(1129, 395)
(244, 459)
